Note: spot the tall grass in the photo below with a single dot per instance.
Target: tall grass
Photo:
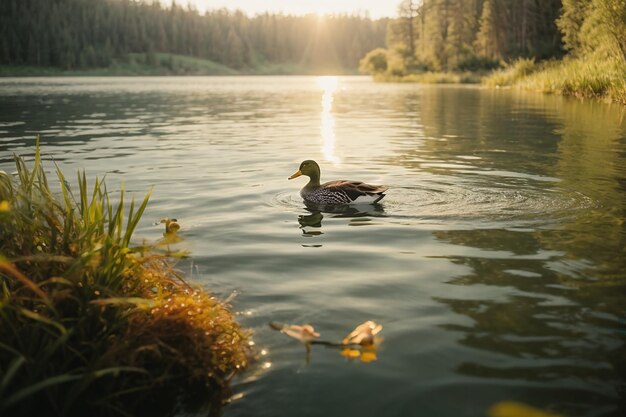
(583, 77)
(589, 77)
(512, 73)
(430, 77)
(89, 324)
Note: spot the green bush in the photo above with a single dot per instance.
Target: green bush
(374, 62)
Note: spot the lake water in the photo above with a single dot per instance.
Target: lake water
(496, 263)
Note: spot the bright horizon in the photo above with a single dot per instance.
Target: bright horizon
(375, 8)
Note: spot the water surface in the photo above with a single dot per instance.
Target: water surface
(496, 263)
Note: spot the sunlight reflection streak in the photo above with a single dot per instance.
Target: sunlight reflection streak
(327, 126)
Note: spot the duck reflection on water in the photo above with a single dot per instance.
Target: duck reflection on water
(359, 213)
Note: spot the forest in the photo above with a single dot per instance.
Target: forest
(470, 35)
(449, 35)
(75, 34)
(580, 45)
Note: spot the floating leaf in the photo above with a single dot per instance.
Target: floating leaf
(365, 353)
(351, 353)
(368, 355)
(516, 409)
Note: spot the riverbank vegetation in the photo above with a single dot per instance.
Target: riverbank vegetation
(161, 64)
(144, 64)
(89, 323)
(572, 47)
(594, 33)
(584, 77)
(79, 35)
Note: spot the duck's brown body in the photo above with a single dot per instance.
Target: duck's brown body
(336, 192)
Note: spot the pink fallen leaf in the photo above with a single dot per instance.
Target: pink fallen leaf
(363, 334)
(305, 333)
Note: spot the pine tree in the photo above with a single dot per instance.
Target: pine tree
(5, 54)
(487, 38)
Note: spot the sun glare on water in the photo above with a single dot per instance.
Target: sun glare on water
(329, 85)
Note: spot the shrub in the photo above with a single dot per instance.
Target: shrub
(374, 62)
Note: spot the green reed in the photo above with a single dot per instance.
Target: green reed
(89, 324)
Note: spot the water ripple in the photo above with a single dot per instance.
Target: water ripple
(495, 262)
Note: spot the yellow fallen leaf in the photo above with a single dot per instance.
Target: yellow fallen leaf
(351, 353)
(517, 409)
(368, 356)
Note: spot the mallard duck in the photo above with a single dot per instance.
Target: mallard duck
(336, 192)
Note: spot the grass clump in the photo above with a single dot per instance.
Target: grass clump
(512, 73)
(90, 325)
(432, 77)
(583, 78)
(588, 77)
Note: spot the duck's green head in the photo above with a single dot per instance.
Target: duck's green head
(308, 168)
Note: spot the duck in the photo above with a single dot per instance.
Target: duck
(171, 225)
(336, 192)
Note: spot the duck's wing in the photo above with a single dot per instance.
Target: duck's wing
(356, 189)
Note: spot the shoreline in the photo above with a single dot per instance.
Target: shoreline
(567, 77)
(163, 64)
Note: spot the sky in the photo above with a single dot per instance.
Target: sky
(375, 8)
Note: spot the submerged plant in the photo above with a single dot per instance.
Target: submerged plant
(89, 324)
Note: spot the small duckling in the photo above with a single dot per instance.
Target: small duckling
(171, 225)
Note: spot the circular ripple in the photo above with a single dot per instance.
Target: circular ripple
(290, 200)
(485, 204)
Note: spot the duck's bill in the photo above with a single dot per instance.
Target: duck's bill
(295, 175)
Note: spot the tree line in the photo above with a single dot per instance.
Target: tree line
(459, 35)
(74, 34)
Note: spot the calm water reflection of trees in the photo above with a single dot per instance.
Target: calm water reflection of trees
(564, 273)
